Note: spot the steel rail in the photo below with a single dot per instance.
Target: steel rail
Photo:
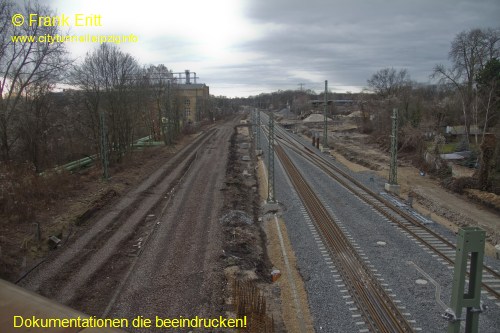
(380, 312)
(380, 204)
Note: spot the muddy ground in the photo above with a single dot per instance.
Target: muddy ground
(81, 195)
(245, 241)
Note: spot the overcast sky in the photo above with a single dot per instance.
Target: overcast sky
(245, 47)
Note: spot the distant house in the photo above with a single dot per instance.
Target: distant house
(337, 102)
(460, 130)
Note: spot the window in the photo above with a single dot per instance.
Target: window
(187, 107)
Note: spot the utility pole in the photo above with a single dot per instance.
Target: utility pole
(170, 113)
(258, 129)
(393, 176)
(168, 116)
(392, 185)
(104, 146)
(301, 85)
(325, 127)
(270, 161)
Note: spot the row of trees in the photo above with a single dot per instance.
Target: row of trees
(468, 94)
(474, 55)
(113, 100)
(28, 71)
(472, 81)
(118, 99)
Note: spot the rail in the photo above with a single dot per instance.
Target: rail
(378, 309)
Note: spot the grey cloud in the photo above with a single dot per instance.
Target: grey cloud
(342, 41)
(350, 40)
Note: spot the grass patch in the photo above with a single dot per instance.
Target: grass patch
(447, 148)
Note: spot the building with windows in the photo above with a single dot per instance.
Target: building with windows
(193, 99)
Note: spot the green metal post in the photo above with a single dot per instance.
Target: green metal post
(104, 146)
(325, 127)
(198, 116)
(470, 244)
(169, 138)
(270, 161)
(254, 123)
(393, 172)
(258, 129)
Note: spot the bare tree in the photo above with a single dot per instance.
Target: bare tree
(487, 100)
(488, 90)
(392, 89)
(388, 82)
(107, 78)
(469, 53)
(160, 79)
(35, 124)
(23, 63)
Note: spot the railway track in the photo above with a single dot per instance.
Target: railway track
(407, 222)
(397, 214)
(378, 309)
(399, 217)
(84, 273)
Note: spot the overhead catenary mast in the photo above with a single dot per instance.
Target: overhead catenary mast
(270, 161)
(325, 127)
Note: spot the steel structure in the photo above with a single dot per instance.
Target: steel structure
(470, 244)
(325, 127)
(104, 146)
(270, 161)
(393, 172)
(258, 129)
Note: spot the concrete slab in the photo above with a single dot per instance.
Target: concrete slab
(270, 208)
(396, 189)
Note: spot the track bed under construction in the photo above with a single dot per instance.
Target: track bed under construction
(155, 251)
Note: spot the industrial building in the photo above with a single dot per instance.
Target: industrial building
(193, 99)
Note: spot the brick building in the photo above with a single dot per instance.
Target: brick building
(193, 99)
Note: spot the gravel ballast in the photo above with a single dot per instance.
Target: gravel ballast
(411, 273)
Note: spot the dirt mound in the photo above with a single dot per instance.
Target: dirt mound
(488, 199)
(97, 205)
(372, 162)
(236, 218)
(317, 118)
(244, 239)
